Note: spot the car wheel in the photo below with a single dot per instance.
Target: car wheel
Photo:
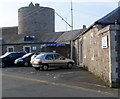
(45, 67)
(26, 64)
(37, 68)
(69, 65)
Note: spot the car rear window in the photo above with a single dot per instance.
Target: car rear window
(39, 56)
(49, 57)
(58, 56)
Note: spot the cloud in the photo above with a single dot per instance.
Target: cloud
(8, 20)
(61, 0)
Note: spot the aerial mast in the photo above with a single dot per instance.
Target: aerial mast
(71, 30)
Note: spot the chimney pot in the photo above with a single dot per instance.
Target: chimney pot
(84, 26)
(37, 5)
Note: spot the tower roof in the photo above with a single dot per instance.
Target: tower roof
(31, 5)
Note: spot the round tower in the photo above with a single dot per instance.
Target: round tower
(35, 19)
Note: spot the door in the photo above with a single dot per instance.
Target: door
(59, 60)
(49, 60)
(27, 49)
(81, 52)
(10, 58)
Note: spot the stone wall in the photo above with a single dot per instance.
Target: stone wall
(95, 58)
(19, 47)
(115, 53)
(36, 19)
(9, 30)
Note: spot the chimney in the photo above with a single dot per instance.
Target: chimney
(37, 5)
(84, 27)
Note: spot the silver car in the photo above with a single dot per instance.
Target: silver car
(51, 59)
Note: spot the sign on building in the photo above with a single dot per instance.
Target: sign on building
(105, 42)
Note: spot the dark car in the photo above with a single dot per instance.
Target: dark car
(24, 60)
(8, 58)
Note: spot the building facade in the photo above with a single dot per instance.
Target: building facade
(97, 51)
(97, 48)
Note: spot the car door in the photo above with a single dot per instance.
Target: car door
(7, 60)
(49, 59)
(11, 59)
(59, 60)
(27, 58)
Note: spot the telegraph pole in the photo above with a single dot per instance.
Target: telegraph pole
(71, 41)
(66, 23)
(71, 30)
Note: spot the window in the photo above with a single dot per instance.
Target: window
(39, 56)
(10, 48)
(49, 57)
(34, 48)
(29, 38)
(57, 56)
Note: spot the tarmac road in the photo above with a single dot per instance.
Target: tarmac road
(27, 82)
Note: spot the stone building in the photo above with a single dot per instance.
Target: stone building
(97, 48)
(34, 33)
(12, 42)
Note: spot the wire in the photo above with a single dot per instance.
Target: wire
(63, 19)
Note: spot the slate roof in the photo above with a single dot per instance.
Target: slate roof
(67, 36)
(108, 19)
(111, 17)
(9, 38)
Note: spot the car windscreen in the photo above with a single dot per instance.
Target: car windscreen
(6, 54)
(39, 56)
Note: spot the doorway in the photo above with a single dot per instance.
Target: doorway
(27, 49)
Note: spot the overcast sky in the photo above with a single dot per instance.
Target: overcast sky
(85, 12)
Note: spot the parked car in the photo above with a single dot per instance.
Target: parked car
(8, 58)
(24, 60)
(33, 56)
(51, 59)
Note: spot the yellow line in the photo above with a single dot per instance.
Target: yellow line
(59, 84)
